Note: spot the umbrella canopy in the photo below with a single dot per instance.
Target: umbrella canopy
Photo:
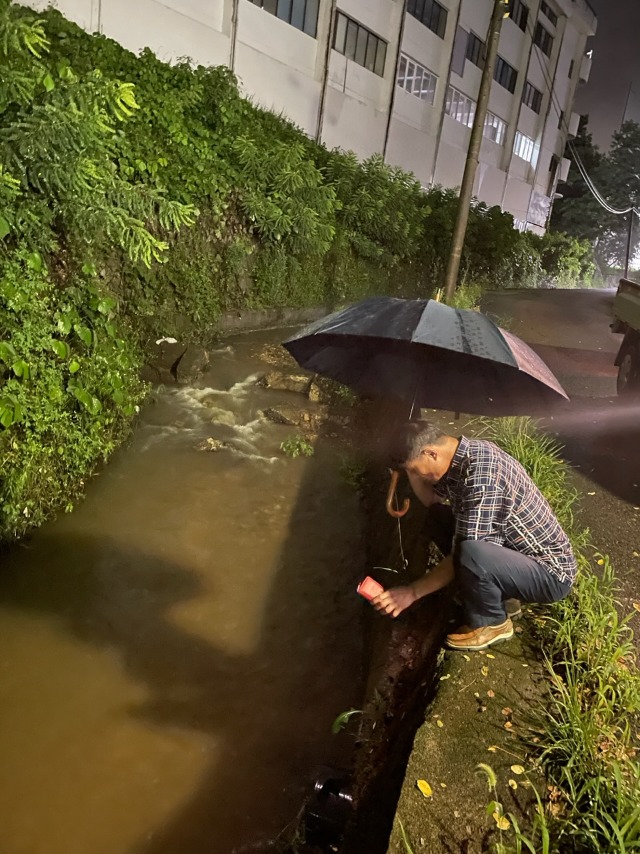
(428, 354)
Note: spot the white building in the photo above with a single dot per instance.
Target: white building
(369, 76)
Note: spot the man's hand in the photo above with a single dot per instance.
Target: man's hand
(394, 601)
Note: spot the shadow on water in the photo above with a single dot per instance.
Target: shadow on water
(264, 719)
(270, 721)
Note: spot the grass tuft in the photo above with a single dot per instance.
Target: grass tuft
(587, 734)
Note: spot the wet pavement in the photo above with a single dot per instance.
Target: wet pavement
(600, 432)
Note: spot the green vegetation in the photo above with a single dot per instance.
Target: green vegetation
(586, 737)
(615, 174)
(140, 200)
(297, 446)
(343, 719)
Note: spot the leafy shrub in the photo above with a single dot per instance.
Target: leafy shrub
(297, 446)
(68, 388)
(567, 262)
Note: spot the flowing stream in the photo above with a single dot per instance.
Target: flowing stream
(173, 652)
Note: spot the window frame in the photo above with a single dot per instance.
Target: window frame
(549, 14)
(347, 30)
(532, 97)
(505, 74)
(431, 14)
(294, 9)
(494, 122)
(425, 75)
(462, 109)
(520, 14)
(476, 51)
(543, 39)
(526, 148)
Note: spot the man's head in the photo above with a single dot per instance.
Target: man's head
(422, 449)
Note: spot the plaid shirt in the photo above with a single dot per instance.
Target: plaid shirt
(494, 499)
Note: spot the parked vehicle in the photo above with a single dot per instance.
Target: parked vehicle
(626, 320)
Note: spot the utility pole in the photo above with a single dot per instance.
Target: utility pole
(627, 257)
(473, 154)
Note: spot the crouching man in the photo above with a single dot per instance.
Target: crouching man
(501, 539)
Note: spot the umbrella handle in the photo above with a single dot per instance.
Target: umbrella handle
(391, 494)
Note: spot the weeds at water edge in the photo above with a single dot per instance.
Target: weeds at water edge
(297, 446)
(587, 735)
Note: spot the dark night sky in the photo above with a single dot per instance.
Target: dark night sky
(616, 65)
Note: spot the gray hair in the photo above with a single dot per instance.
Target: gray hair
(412, 437)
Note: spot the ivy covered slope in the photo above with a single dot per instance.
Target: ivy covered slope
(139, 199)
(68, 361)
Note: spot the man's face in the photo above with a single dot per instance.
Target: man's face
(428, 465)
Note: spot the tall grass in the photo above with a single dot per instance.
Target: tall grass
(587, 732)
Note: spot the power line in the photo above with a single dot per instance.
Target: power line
(578, 161)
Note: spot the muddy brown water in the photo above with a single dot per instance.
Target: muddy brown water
(173, 652)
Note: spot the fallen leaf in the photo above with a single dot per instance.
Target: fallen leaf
(590, 493)
(525, 665)
(508, 725)
(492, 749)
(482, 709)
(484, 671)
(507, 711)
(440, 724)
(425, 788)
(636, 605)
(448, 676)
(636, 554)
(491, 693)
(456, 814)
(476, 695)
(517, 769)
(490, 656)
(443, 785)
(502, 821)
(513, 784)
(466, 658)
(519, 630)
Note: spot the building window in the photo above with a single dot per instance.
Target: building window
(416, 79)
(526, 148)
(476, 50)
(359, 44)
(532, 97)
(505, 74)
(495, 128)
(463, 110)
(543, 39)
(548, 12)
(430, 13)
(301, 14)
(519, 14)
(459, 107)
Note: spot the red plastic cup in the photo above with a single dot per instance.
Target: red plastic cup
(369, 588)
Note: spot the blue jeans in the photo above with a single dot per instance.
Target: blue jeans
(487, 574)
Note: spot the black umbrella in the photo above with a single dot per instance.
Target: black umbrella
(429, 355)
